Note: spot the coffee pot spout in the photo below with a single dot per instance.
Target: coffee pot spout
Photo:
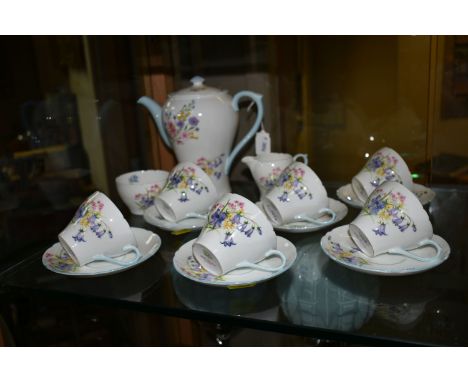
(156, 112)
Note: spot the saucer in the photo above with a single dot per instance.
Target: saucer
(347, 195)
(339, 247)
(339, 208)
(186, 265)
(57, 260)
(153, 217)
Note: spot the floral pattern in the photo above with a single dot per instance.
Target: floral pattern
(185, 180)
(383, 166)
(212, 167)
(388, 208)
(89, 216)
(269, 181)
(183, 125)
(61, 261)
(291, 182)
(231, 217)
(195, 270)
(145, 200)
(346, 255)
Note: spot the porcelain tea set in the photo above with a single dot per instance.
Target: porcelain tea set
(237, 244)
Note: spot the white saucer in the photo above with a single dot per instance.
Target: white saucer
(339, 208)
(339, 247)
(57, 260)
(347, 195)
(187, 266)
(153, 217)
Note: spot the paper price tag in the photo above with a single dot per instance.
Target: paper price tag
(262, 142)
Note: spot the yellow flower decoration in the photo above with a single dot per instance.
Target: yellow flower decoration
(383, 214)
(380, 171)
(228, 225)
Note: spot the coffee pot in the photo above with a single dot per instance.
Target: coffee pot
(199, 123)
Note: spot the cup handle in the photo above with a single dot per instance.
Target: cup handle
(399, 251)
(125, 249)
(196, 215)
(271, 252)
(304, 157)
(319, 222)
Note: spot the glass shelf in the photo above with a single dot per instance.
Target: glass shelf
(316, 297)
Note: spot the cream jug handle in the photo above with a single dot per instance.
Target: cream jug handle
(257, 98)
(304, 157)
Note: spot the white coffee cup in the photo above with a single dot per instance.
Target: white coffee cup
(298, 195)
(384, 165)
(98, 231)
(237, 235)
(393, 221)
(266, 167)
(139, 188)
(188, 192)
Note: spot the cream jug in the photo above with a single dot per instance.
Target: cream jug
(266, 168)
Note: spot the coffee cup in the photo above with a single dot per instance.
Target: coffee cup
(298, 195)
(188, 192)
(237, 235)
(98, 232)
(138, 189)
(393, 221)
(384, 165)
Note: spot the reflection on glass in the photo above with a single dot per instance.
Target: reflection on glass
(403, 306)
(322, 294)
(259, 300)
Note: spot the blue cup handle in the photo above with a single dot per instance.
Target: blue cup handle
(257, 98)
(126, 249)
(196, 215)
(402, 252)
(318, 222)
(271, 252)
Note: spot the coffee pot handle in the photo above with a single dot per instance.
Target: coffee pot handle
(257, 98)
(304, 157)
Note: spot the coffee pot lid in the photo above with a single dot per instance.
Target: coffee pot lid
(198, 89)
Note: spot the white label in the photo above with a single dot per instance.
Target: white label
(262, 142)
